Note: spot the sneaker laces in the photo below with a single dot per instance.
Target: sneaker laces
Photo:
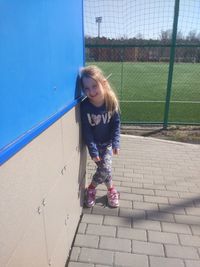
(113, 194)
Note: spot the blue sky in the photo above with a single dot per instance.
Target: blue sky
(131, 18)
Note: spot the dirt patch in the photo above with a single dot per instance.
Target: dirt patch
(187, 134)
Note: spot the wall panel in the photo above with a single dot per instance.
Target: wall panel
(40, 183)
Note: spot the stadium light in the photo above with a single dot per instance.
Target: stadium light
(98, 21)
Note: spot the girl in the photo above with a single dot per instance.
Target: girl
(101, 130)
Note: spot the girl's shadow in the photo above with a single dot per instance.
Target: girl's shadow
(102, 201)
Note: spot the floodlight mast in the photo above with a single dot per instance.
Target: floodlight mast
(98, 21)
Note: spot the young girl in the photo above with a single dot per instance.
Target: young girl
(101, 130)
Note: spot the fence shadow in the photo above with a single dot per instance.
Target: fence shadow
(135, 215)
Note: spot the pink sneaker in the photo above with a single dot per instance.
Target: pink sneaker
(113, 198)
(90, 197)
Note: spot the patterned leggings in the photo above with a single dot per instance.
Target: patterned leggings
(104, 167)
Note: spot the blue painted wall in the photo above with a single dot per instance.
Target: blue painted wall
(41, 50)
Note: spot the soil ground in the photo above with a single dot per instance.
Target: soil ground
(187, 134)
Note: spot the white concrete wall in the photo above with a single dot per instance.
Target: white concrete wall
(41, 190)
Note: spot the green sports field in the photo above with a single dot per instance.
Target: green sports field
(141, 88)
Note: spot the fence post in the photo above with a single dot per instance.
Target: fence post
(122, 72)
(171, 64)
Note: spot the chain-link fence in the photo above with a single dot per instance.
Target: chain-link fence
(152, 50)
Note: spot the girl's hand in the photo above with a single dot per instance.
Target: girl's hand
(115, 151)
(96, 159)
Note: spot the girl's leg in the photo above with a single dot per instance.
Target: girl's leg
(104, 167)
(92, 186)
(113, 195)
(91, 190)
(105, 172)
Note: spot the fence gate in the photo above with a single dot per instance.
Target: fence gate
(152, 50)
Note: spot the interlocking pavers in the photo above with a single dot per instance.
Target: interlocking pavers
(158, 221)
(130, 260)
(181, 252)
(160, 216)
(173, 209)
(132, 213)
(165, 262)
(145, 206)
(193, 211)
(101, 209)
(147, 248)
(136, 234)
(192, 263)
(115, 244)
(119, 221)
(131, 196)
(156, 199)
(101, 230)
(91, 218)
(161, 237)
(101, 256)
(75, 253)
(176, 228)
(147, 224)
(195, 229)
(89, 241)
(126, 203)
(187, 219)
(82, 228)
(190, 240)
(80, 264)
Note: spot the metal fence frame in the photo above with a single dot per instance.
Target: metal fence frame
(172, 46)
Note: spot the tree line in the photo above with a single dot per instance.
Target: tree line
(144, 50)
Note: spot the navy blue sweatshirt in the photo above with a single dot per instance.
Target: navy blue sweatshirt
(99, 126)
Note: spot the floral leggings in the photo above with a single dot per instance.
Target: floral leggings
(104, 167)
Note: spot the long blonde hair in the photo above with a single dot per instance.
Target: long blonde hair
(97, 74)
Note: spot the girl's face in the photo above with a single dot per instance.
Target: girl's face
(93, 90)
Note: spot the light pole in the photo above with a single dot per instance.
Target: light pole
(98, 21)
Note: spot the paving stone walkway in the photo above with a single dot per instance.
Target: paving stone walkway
(158, 221)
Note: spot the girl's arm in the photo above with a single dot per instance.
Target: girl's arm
(115, 132)
(88, 136)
